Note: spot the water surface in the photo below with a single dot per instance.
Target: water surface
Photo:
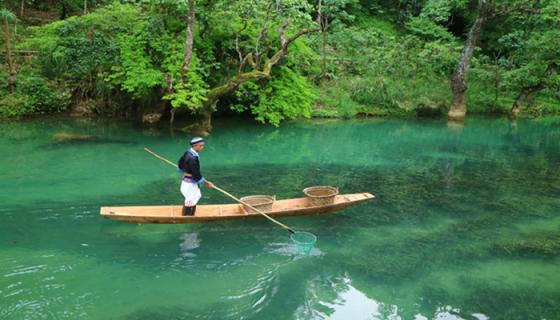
(466, 224)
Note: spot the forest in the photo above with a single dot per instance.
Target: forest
(165, 60)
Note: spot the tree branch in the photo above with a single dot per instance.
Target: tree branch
(263, 34)
(239, 53)
(282, 31)
(319, 19)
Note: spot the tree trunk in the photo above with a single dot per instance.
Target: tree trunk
(516, 108)
(324, 52)
(459, 86)
(188, 41)
(63, 13)
(22, 4)
(187, 57)
(11, 64)
(206, 122)
(216, 93)
(526, 94)
(85, 7)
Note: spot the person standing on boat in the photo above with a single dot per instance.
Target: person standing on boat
(189, 164)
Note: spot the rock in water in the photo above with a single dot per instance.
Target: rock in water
(151, 118)
(61, 137)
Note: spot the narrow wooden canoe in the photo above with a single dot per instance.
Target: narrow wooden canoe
(280, 208)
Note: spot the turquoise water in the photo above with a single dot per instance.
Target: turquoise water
(466, 224)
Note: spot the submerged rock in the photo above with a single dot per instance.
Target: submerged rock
(71, 137)
(61, 137)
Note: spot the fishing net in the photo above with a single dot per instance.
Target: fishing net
(304, 242)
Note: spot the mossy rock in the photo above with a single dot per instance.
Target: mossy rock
(62, 137)
(151, 118)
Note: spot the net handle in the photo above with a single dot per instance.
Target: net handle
(257, 210)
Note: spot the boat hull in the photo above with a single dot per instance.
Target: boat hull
(281, 208)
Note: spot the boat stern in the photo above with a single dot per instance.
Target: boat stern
(104, 211)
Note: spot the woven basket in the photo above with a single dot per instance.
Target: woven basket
(321, 195)
(261, 202)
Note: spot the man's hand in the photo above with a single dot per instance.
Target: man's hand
(209, 184)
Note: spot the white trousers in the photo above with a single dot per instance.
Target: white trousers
(191, 192)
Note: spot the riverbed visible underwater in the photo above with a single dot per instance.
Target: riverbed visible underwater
(466, 224)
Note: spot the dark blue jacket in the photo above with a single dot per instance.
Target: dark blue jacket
(191, 166)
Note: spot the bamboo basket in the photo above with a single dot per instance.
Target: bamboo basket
(321, 195)
(261, 202)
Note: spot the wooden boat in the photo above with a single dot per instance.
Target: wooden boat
(280, 208)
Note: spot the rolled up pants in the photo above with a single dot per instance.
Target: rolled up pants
(191, 192)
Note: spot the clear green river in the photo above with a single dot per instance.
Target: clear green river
(466, 224)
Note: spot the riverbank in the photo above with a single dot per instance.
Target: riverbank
(378, 60)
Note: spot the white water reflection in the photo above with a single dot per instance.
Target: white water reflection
(337, 299)
(353, 304)
(189, 242)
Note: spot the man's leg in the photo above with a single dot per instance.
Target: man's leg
(189, 211)
(191, 192)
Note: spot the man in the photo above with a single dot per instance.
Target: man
(190, 165)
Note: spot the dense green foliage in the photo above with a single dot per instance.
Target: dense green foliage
(277, 101)
(372, 58)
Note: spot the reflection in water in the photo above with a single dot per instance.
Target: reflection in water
(450, 313)
(456, 126)
(353, 304)
(454, 129)
(189, 242)
(337, 299)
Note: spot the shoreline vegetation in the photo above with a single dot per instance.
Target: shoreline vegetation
(160, 61)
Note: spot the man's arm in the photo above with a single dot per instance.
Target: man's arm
(196, 175)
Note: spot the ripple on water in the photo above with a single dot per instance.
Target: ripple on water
(37, 291)
(256, 296)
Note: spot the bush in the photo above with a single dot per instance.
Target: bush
(14, 105)
(33, 95)
(288, 95)
(42, 97)
(336, 102)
